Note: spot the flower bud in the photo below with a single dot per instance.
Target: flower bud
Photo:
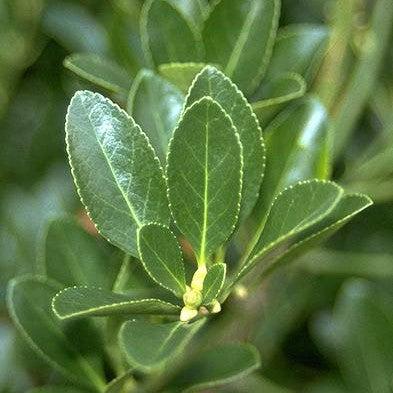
(187, 314)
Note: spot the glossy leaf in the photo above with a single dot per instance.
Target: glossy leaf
(239, 36)
(274, 94)
(117, 174)
(204, 169)
(213, 83)
(155, 105)
(299, 49)
(73, 257)
(79, 302)
(29, 304)
(294, 210)
(162, 258)
(218, 366)
(168, 34)
(149, 346)
(100, 71)
(296, 146)
(180, 74)
(213, 283)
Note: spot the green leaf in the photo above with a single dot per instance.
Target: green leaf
(150, 346)
(180, 74)
(204, 169)
(274, 94)
(213, 283)
(73, 257)
(169, 35)
(239, 35)
(118, 176)
(156, 106)
(162, 258)
(122, 383)
(295, 146)
(29, 304)
(100, 71)
(294, 210)
(56, 389)
(218, 366)
(299, 49)
(213, 83)
(195, 10)
(79, 302)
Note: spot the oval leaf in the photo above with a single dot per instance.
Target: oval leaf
(168, 34)
(204, 169)
(117, 174)
(156, 106)
(162, 258)
(29, 304)
(79, 302)
(100, 71)
(149, 346)
(239, 35)
(213, 83)
(213, 283)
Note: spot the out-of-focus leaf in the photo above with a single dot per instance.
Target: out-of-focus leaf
(155, 105)
(213, 83)
(218, 366)
(168, 34)
(150, 346)
(299, 49)
(29, 304)
(56, 389)
(204, 169)
(239, 36)
(274, 94)
(120, 384)
(117, 173)
(180, 74)
(79, 302)
(100, 71)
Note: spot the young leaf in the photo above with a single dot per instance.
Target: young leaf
(214, 281)
(295, 145)
(168, 34)
(294, 210)
(273, 95)
(79, 302)
(162, 258)
(299, 49)
(100, 71)
(204, 169)
(117, 174)
(239, 35)
(149, 346)
(156, 106)
(213, 83)
(73, 257)
(180, 74)
(29, 304)
(218, 366)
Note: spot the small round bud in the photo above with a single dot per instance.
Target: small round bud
(187, 314)
(192, 298)
(215, 306)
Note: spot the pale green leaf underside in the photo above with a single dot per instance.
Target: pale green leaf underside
(73, 257)
(29, 304)
(149, 346)
(204, 169)
(213, 283)
(117, 173)
(168, 35)
(294, 210)
(155, 105)
(213, 83)
(239, 35)
(218, 366)
(100, 71)
(79, 302)
(162, 258)
(180, 74)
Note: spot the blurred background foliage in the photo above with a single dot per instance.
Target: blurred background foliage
(325, 324)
